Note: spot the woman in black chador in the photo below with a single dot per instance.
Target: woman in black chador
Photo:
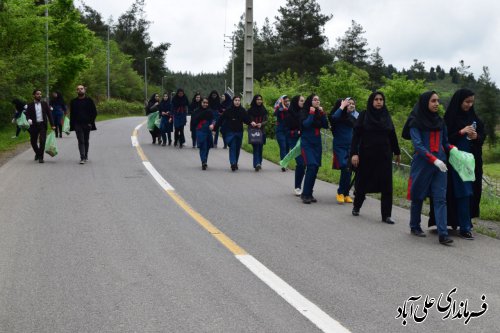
(258, 119)
(195, 104)
(153, 104)
(373, 144)
(180, 105)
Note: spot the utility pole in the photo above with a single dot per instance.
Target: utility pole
(146, 79)
(248, 54)
(232, 58)
(107, 58)
(47, 49)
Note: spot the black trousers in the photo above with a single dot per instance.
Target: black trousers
(385, 203)
(38, 133)
(179, 136)
(82, 134)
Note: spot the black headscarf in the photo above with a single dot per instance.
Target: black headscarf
(178, 101)
(152, 100)
(377, 120)
(455, 117)
(214, 103)
(194, 104)
(422, 117)
(165, 105)
(18, 104)
(228, 101)
(345, 118)
(295, 114)
(256, 110)
(58, 100)
(317, 116)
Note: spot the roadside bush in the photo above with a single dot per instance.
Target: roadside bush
(120, 107)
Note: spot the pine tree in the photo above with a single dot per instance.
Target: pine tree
(300, 35)
(376, 68)
(352, 48)
(432, 75)
(488, 102)
(418, 69)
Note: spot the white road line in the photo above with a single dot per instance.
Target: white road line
(305, 307)
(156, 175)
(135, 143)
(308, 309)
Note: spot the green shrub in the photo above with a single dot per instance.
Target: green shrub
(120, 107)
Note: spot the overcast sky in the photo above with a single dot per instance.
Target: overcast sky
(438, 32)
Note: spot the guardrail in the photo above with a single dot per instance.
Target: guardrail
(490, 186)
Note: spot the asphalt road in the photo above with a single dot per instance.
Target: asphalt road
(101, 247)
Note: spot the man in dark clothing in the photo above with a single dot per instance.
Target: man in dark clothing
(82, 121)
(37, 114)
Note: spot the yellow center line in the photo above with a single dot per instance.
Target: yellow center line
(203, 222)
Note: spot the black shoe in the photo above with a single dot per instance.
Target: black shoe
(36, 157)
(225, 147)
(180, 146)
(233, 167)
(40, 160)
(355, 212)
(154, 142)
(283, 169)
(445, 240)
(418, 232)
(466, 235)
(163, 144)
(306, 200)
(204, 166)
(236, 166)
(258, 167)
(82, 161)
(313, 199)
(388, 220)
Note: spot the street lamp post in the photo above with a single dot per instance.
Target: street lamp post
(47, 48)
(107, 60)
(162, 89)
(146, 79)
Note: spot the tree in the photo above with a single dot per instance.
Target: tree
(352, 48)
(488, 103)
(440, 72)
(93, 20)
(300, 36)
(465, 76)
(376, 68)
(432, 75)
(418, 69)
(131, 33)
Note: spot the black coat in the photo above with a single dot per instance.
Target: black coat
(375, 150)
(82, 112)
(46, 114)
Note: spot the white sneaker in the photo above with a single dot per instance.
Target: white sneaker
(298, 192)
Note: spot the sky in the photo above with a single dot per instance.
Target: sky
(437, 32)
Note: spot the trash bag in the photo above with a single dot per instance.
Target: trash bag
(464, 164)
(152, 117)
(292, 154)
(22, 122)
(65, 127)
(50, 144)
(158, 122)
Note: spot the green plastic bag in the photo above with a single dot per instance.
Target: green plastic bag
(22, 122)
(292, 154)
(464, 164)
(66, 126)
(158, 122)
(152, 118)
(50, 144)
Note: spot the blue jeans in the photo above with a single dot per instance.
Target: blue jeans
(257, 154)
(438, 194)
(463, 214)
(282, 139)
(345, 181)
(204, 149)
(216, 136)
(310, 179)
(234, 140)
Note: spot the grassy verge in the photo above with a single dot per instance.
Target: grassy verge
(490, 205)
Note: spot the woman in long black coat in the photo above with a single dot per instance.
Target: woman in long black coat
(373, 145)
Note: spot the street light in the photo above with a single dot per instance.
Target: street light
(162, 89)
(146, 79)
(47, 48)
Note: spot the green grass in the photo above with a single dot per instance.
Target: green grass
(492, 170)
(490, 205)
(6, 142)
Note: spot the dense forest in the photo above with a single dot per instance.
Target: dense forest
(291, 56)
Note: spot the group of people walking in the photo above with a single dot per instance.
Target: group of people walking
(364, 142)
(40, 114)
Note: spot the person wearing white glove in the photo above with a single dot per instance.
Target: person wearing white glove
(428, 174)
(440, 165)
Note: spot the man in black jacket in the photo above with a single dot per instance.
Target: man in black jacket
(37, 114)
(82, 121)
